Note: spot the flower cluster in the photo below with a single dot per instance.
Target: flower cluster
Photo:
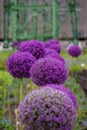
(48, 71)
(49, 51)
(35, 47)
(54, 55)
(56, 47)
(64, 89)
(16, 44)
(47, 109)
(19, 64)
(51, 42)
(52, 106)
(74, 51)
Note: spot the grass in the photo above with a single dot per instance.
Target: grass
(5, 54)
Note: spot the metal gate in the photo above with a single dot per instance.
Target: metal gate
(38, 19)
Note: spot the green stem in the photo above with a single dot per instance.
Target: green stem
(31, 87)
(5, 94)
(21, 90)
(9, 109)
(70, 66)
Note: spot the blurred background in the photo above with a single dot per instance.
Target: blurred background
(43, 19)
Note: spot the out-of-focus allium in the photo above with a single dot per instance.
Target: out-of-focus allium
(56, 47)
(48, 71)
(50, 51)
(19, 64)
(51, 42)
(62, 88)
(47, 109)
(15, 44)
(35, 47)
(54, 55)
(74, 51)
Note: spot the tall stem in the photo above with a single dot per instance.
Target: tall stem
(17, 121)
(21, 90)
(9, 109)
(71, 65)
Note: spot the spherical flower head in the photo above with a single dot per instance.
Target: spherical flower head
(74, 51)
(15, 44)
(52, 53)
(56, 55)
(51, 42)
(19, 64)
(47, 71)
(56, 47)
(35, 47)
(49, 51)
(47, 109)
(62, 88)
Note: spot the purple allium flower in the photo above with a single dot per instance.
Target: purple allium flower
(16, 44)
(74, 51)
(19, 64)
(62, 88)
(47, 71)
(56, 47)
(51, 42)
(47, 109)
(50, 51)
(54, 55)
(35, 47)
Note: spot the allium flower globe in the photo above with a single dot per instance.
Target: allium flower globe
(54, 41)
(56, 47)
(74, 51)
(49, 51)
(19, 64)
(62, 88)
(51, 42)
(54, 55)
(35, 47)
(47, 109)
(48, 71)
(16, 44)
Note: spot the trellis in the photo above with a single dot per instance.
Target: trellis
(38, 19)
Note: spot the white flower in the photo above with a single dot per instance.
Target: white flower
(82, 64)
(69, 45)
(80, 45)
